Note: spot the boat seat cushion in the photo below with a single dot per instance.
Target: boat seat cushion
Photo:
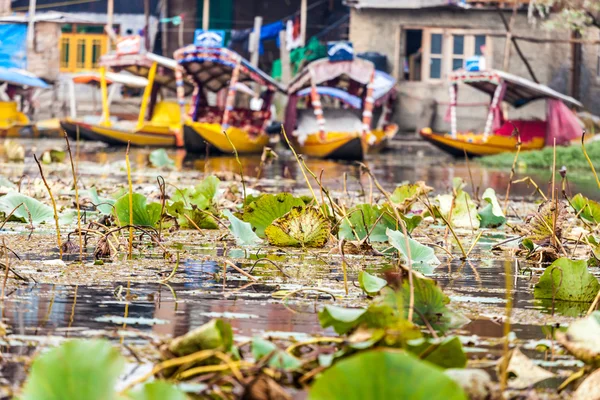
(528, 129)
(243, 118)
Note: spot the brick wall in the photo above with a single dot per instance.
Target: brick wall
(44, 59)
(381, 31)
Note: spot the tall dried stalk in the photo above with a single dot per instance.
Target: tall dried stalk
(130, 200)
(53, 206)
(287, 140)
(76, 198)
(411, 302)
(512, 169)
(237, 158)
(588, 159)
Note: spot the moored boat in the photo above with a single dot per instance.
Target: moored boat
(501, 134)
(158, 122)
(340, 107)
(225, 112)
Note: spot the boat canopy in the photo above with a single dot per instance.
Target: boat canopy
(140, 65)
(342, 95)
(519, 91)
(212, 68)
(383, 85)
(112, 77)
(22, 78)
(324, 72)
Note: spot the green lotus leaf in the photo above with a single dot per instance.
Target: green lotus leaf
(384, 374)
(370, 284)
(445, 353)
(419, 253)
(159, 159)
(301, 227)
(567, 280)
(406, 195)
(242, 231)
(464, 211)
(202, 219)
(27, 209)
(215, 334)
(143, 214)
(157, 390)
(586, 208)
(491, 215)
(77, 369)
(581, 339)
(279, 358)
(103, 205)
(267, 208)
(343, 320)
(364, 219)
(540, 228)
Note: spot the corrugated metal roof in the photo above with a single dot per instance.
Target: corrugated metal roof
(52, 16)
(401, 4)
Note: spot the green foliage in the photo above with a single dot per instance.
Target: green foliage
(384, 374)
(242, 231)
(491, 215)
(419, 253)
(301, 227)
(370, 284)
(40, 213)
(586, 208)
(567, 280)
(365, 219)
(203, 219)
(267, 208)
(581, 339)
(342, 320)
(78, 369)
(445, 353)
(214, 335)
(570, 156)
(159, 159)
(103, 205)
(143, 214)
(278, 358)
(464, 210)
(157, 390)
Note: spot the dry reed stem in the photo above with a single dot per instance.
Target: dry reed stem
(53, 207)
(76, 197)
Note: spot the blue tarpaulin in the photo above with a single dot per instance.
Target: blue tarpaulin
(19, 77)
(13, 46)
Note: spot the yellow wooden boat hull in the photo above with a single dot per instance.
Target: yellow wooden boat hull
(199, 135)
(474, 145)
(149, 134)
(345, 145)
(19, 131)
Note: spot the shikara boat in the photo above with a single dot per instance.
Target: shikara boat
(158, 122)
(14, 123)
(501, 134)
(225, 113)
(332, 106)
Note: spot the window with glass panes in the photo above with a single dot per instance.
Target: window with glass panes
(446, 50)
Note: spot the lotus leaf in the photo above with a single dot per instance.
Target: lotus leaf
(419, 253)
(242, 231)
(279, 358)
(581, 339)
(567, 280)
(365, 219)
(157, 390)
(143, 214)
(159, 159)
(370, 284)
(266, 209)
(491, 215)
(301, 227)
(384, 374)
(202, 219)
(587, 209)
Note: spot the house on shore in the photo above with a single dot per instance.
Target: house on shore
(425, 40)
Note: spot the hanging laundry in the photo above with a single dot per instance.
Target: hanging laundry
(292, 34)
(270, 32)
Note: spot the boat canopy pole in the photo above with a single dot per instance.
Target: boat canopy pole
(147, 94)
(104, 90)
(181, 101)
(367, 114)
(494, 108)
(230, 99)
(386, 112)
(317, 107)
(453, 100)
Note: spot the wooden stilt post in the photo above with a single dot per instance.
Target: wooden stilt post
(255, 41)
(284, 55)
(509, 34)
(109, 22)
(206, 15)
(147, 25)
(31, 24)
(164, 33)
(303, 15)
